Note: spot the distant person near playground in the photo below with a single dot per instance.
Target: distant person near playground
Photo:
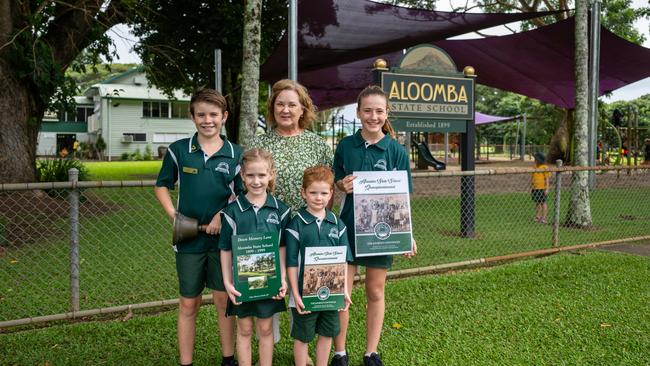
(540, 182)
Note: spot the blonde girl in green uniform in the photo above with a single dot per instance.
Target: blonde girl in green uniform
(255, 211)
(373, 148)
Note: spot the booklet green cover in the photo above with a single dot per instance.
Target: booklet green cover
(256, 265)
(323, 282)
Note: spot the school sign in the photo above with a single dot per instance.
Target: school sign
(428, 103)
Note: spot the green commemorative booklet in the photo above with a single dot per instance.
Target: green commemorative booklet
(256, 265)
(323, 282)
(382, 213)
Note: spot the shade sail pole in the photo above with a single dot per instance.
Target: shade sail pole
(293, 40)
(594, 69)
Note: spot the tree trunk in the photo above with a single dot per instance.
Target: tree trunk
(579, 213)
(20, 118)
(250, 71)
(559, 145)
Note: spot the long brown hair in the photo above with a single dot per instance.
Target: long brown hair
(369, 90)
(257, 154)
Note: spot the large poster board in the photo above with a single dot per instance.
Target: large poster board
(256, 265)
(382, 213)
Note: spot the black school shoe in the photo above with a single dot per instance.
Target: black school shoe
(372, 360)
(229, 362)
(339, 360)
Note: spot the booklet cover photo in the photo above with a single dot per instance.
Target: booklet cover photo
(323, 282)
(256, 265)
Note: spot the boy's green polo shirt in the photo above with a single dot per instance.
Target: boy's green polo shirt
(354, 154)
(241, 217)
(305, 230)
(205, 184)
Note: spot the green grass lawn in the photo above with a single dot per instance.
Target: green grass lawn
(582, 308)
(123, 170)
(126, 256)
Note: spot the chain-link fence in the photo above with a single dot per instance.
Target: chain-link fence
(73, 249)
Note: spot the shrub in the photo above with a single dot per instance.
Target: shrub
(56, 170)
(148, 154)
(125, 156)
(136, 155)
(100, 146)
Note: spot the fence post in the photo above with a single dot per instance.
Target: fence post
(73, 200)
(556, 208)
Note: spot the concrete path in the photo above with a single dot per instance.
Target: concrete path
(638, 249)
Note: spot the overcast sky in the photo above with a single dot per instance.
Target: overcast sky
(124, 42)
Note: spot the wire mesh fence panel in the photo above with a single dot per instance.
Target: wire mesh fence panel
(34, 242)
(125, 253)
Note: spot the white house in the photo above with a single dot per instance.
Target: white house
(127, 113)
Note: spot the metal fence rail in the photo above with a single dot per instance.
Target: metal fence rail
(72, 249)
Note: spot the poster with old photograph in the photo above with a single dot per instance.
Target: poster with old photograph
(256, 265)
(382, 213)
(323, 281)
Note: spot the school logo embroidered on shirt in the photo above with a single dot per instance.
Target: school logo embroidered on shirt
(273, 218)
(334, 233)
(193, 148)
(223, 167)
(380, 164)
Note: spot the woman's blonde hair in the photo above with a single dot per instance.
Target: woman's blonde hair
(387, 128)
(257, 154)
(308, 108)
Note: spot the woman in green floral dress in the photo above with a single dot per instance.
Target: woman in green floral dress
(294, 148)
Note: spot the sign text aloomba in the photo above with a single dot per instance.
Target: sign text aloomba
(421, 96)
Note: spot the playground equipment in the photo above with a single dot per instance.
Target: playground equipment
(425, 154)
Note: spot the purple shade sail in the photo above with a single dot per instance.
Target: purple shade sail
(334, 32)
(537, 63)
(482, 118)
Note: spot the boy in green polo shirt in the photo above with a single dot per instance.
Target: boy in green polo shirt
(313, 226)
(206, 167)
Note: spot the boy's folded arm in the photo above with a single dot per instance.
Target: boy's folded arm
(163, 196)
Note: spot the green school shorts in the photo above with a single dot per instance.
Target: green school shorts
(379, 261)
(197, 271)
(306, 326)
(260, 308)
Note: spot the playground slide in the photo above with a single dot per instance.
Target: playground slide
(425, 153)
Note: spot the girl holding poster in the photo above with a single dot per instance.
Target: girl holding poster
(373, 148)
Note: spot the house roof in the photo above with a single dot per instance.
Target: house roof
(117, 77)
(130, 91)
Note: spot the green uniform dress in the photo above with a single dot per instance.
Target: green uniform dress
(292, 155)
(242, 217)
(206, 184)
(303, 231)
(354, 154)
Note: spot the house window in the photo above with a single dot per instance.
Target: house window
(155, 109)
(167, 137)
(180, 110)
(81, 115)
(134, 137)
